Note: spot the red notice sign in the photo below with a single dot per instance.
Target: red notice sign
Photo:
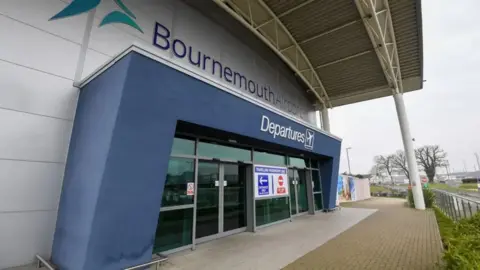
(280, 188)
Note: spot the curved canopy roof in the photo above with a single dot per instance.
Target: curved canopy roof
(344, 51)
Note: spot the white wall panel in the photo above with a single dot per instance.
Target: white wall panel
(38, 12)
(24, 234)
(195, 31)
(29, 186)
(37, 49)
(25, 136)
(144, 10)
(93, 60)
(246, 63)
(110, 40)
(28, 90)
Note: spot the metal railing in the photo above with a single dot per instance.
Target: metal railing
(455, 206)
(41, 262)
(157, 262)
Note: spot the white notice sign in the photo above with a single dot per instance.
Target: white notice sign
(190, 188)
(270, 181)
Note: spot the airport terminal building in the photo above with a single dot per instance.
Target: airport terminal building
(131, 128)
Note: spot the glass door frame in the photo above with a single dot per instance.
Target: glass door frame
(250, 200)
(294, 191)
(221, 202)
(307, 173)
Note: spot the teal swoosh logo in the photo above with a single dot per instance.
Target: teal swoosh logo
(77, 7)
(119, 17)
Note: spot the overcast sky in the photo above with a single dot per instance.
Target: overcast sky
(446, 112)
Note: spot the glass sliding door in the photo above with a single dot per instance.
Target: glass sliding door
(298, 191)
(234, 208)
(221, 198)
(302, 191)
(293, 193)
(208, 205)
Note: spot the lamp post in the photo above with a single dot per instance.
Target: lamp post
(478, 178)
(348, 160)
(478, 161)
(446, 168)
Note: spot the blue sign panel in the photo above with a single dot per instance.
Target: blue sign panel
(263, 185)
(272, 170)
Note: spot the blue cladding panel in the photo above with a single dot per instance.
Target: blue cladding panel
(89, 147)
(329, 177)
(154, 98)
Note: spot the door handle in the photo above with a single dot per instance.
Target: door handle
(225, 183)
(217, 183)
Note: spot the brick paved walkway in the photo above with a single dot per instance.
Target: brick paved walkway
(395, 237)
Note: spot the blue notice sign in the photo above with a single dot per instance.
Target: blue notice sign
(263, 187)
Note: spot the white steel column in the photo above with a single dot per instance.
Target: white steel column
(325, 119)
(84, 47)
(409, 152)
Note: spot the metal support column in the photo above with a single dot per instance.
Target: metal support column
(409, 152)
(250, 199)
(325, 119)
(84, 47)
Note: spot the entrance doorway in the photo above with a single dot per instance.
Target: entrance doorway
(221, 197)
(298, 191)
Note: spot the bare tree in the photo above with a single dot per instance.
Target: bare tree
(385, 164)
(429, 157)
(400, 162)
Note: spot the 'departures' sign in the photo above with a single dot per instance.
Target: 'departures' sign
(270, 181)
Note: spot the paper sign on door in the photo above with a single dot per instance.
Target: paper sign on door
(190, 188)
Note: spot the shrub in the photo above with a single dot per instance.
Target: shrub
(428, 197)
(469, 180)
(461, 241)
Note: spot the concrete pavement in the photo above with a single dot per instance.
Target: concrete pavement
(395, 237)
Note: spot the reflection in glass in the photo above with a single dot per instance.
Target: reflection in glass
(298, 191)
(207, 200)
(268, 159)
(223, 152)
(180, 172)
(297, 162)
(183, 147)
(174, 229)
(318, 201)
(234, 197)
(302, 191)
(271, 210)
(316, 181)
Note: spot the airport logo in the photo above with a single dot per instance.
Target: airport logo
(77, 7)
(309, 138)
(276, 130)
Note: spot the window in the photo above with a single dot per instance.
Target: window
(269, 159)
(317, 186)
(180, 172)
(318, 201)
(183, 147)
(297, 162)
(223, 152)
(271, 210)
(174, 229)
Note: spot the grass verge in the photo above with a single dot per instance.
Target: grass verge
(461, 241)
(375, 189)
